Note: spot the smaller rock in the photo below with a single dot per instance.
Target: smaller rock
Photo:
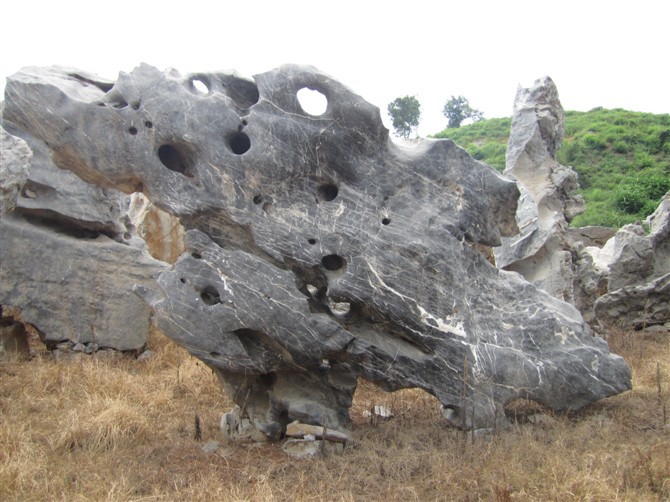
(146, 355)
(235, 428)
(211, 446)
(300, 430)
(379, 411)
(304, 448)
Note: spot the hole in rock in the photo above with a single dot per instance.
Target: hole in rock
(267, 379)
(244, 92)
(327, 192)
(214, 354)
(182, 280)
(119, 104)
(258, 199)
(386, 221)
(135, 105)
(239, 143)
(176, 158)
(311, 241)
(148, 124)
(132, 130)
(312, 102)
(197, 256)
(210, 295)
(200, 85)
(333, 262)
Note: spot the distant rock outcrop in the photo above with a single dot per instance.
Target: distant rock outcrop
(549, 198)
(636, 265)
(318, 251)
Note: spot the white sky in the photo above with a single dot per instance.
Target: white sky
(609, 53)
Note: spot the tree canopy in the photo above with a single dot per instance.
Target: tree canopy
(405, 113)
(457, 109)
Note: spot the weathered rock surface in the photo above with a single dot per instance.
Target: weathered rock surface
(549, 199)
(15, 157)
(67, 252)
(635, 265)
(75, 288)
(319, 251)
(162, 232)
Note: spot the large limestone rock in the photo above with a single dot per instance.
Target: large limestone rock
(318, 251)
(549, 199)
(68, 257)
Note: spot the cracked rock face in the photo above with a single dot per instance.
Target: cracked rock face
(317, 250)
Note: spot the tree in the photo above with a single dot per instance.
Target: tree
(457, 109)
(405, 113)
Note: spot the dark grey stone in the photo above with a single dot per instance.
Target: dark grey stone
(318, 250)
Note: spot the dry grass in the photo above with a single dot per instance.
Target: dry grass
(96, 428)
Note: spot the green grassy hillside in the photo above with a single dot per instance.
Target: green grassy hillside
(622, 157)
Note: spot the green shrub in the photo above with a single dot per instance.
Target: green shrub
(641, 194)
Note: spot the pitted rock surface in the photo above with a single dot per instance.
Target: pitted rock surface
(319, 251)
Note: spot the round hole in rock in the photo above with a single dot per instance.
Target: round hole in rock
(148, 124)
(200, 86)
(182, 280)
(258, 199)
(333, 262)
(135, 105)
(239, 143)
(196, 255)
(311, 241)
(210, 295)
(327, 192)
(386, 221)
(312, 102)
(132, 130)
(176, 158)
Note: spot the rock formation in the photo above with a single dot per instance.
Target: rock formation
(318, 251)
(67, 252)
(549, 199)
(635, 264)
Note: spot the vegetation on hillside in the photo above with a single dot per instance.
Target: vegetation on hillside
(622, 158)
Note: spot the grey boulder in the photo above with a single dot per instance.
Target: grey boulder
(318, 251)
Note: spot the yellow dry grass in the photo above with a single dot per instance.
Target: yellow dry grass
(95, 428)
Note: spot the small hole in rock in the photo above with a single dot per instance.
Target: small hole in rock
(333, 262)
(176, 158)
(327, 192)
(239, 143)
(135, 105)
(258, 199)
(312, 102)
(132, 130)
(148, 125)
(200, 86)
(119, 104)
(311, 241)
(386, 221)
(244, 122)
(210, 296)
(214, 354)
(182, 280)
(197, 256)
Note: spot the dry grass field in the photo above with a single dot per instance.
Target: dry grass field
(101, 428)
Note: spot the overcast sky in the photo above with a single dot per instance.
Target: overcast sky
(600, 53)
